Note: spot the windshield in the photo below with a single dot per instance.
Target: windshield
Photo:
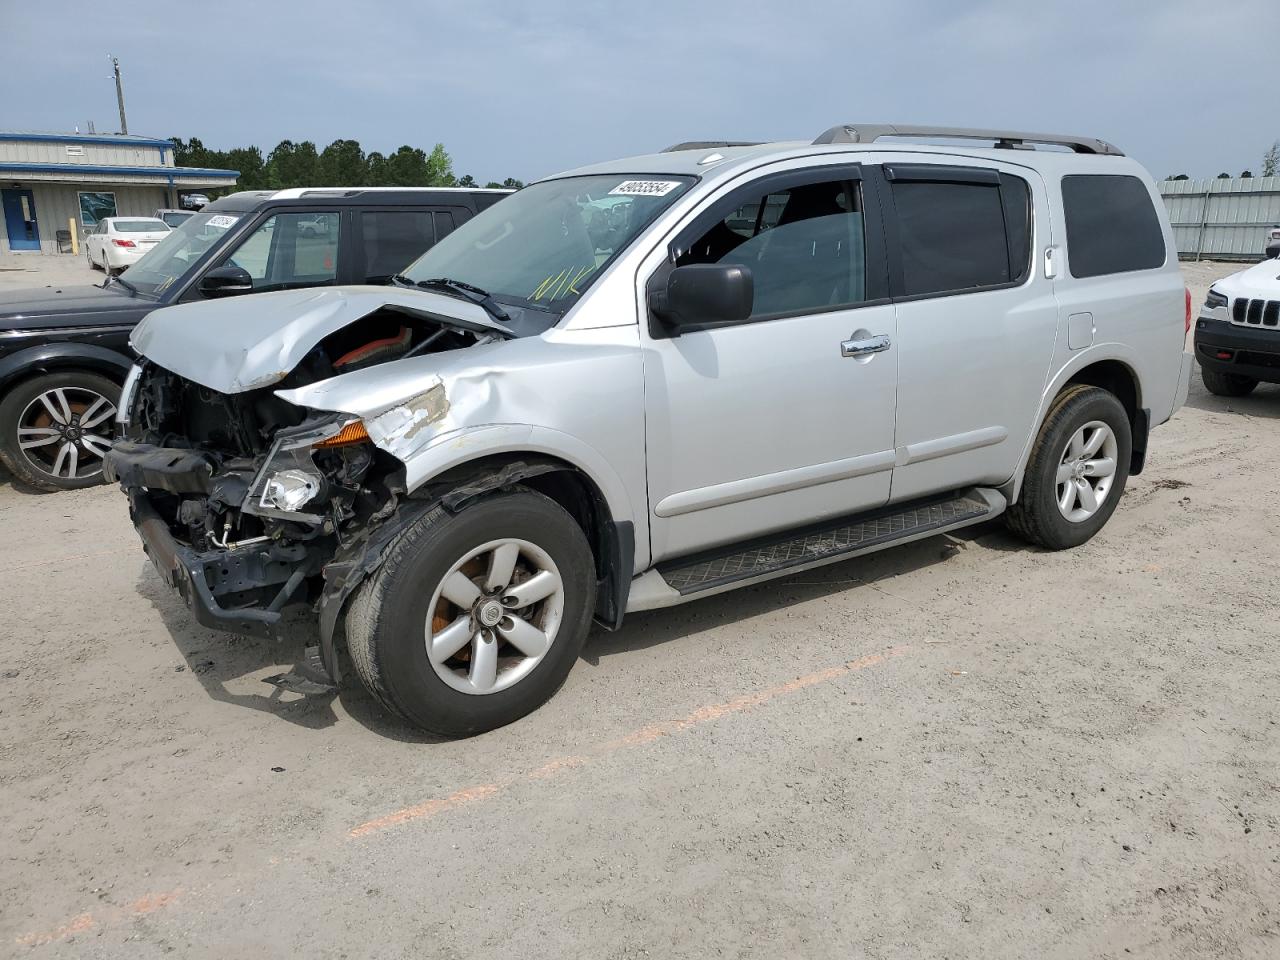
(543, 245)
(139, 226)
(173, 257)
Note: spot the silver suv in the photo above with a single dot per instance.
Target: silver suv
(652, 380)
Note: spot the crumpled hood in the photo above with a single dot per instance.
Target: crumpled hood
(243, 343)
(1261, 281)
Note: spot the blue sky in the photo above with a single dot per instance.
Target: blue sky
(526, 89)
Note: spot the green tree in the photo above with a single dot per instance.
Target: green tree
(466, 180)
(293, 165)
(1246, 174)
(407, 167)
(1224, 176)
(439, 168)
(253, 172)
(1271, 160)
(343, 164)
(375, 170)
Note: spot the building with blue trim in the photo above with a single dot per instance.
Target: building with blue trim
(51, 182)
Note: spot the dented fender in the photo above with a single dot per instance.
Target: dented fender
(577, 398)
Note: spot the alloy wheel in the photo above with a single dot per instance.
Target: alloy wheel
(64, 432)
(494, 616)
(1086, 471)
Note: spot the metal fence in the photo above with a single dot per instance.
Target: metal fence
(1223, 219)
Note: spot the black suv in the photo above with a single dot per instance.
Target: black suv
(64, 352)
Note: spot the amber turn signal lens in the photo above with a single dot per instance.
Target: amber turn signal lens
(353, 432)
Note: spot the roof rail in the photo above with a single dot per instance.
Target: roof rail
(1004, 139)
(711, 145)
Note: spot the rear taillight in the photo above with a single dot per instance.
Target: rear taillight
(1186, 326)
(129, 243)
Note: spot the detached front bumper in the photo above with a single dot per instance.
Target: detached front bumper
(1226, 347)
(196, 576)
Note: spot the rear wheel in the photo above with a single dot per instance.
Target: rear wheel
(1077, 471)
(475, 618)
(55, 429)
(1227, 384)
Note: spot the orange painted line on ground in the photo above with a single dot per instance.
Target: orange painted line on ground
(474, 794)
(707, 714)
(87, 921)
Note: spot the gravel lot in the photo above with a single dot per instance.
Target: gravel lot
(959, 748)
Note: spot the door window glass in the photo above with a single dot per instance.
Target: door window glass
(392, 240)
(444, 224)
(805, 247)
(291, 250)
(952, 236)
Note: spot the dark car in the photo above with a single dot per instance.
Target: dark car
(64, 351)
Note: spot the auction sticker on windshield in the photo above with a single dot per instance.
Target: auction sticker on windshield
(645, 188)
(221, 220)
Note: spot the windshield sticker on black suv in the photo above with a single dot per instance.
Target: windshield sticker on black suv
(644, 188)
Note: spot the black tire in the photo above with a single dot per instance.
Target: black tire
(1036, 517)
(12, 406)
(88, 254)
(386, 618)
(1227, 384)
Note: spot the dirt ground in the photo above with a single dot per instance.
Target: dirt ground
(959, 748)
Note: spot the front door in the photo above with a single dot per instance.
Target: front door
(768, 425)
(20, 219)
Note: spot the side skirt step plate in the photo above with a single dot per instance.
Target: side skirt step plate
(814, 545)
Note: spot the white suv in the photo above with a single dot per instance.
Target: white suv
(652, 380)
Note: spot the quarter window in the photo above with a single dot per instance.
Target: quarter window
(1112, 226)
(805, 247)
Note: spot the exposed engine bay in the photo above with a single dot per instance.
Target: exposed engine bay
(248, 503)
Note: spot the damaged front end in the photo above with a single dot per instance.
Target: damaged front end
(248, 504)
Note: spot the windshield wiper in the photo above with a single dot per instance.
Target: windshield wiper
(133, 291)
(468, 292)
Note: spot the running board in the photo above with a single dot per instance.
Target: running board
(791, 551)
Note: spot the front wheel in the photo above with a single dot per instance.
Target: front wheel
(1227, 384)
(1077, 471)
(476, 618)
(55, 429)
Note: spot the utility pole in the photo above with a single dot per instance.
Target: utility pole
(115, 65)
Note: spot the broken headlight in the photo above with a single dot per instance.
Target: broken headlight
(290, 490)
(289, 479)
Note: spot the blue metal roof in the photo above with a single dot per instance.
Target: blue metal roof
(17, 167)
(116, 140)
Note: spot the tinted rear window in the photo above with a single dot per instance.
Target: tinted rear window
(1112, 226)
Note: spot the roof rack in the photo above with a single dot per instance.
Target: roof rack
(711, 145)
(1004, 139)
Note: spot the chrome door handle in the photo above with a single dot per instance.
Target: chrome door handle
(864, 347)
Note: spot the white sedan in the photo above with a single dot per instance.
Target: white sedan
(117, 242)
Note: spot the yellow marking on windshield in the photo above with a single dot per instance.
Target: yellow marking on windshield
(566, 281)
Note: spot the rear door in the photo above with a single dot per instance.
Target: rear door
(976, 322)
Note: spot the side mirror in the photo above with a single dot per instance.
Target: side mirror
(226, 280)
(705, 294)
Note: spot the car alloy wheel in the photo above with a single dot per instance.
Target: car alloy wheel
(1086, 471)
(494, 616)
(64, 432)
